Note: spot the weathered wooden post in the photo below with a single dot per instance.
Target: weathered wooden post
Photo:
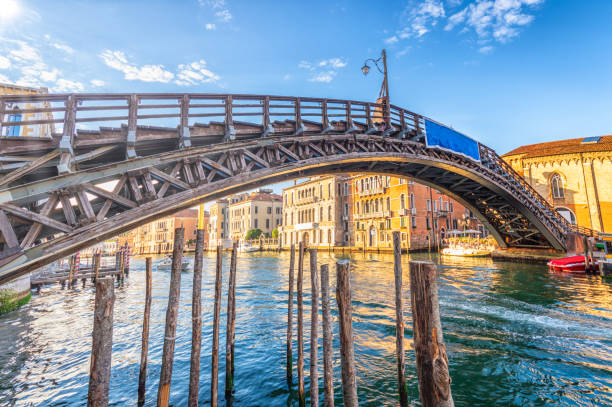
(345, 313)
(399, 320)
(231, 324)
(290, 318)
(118, 265)
(71, 271)
(215, 345)
(328, 367)
(196, 321)
(96, 265)
(165, 376)
(300, 323)
(314, 329)
(102, 343)
(144, 349)
(431, 360)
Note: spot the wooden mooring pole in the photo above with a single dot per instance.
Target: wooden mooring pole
(96, 265)
(163, 392)
(290, 318)
(231, 324)
(431, 360)
(144, 349)
(314, 329)
(102, 343)
(300, 325)
(399, 319)
(345, 313)
(214, 383)
(196, 321)
(328, 367)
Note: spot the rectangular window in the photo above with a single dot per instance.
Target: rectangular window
(403, 221)
(345, 226)
(346, 209)
(428, 205)
(345, 189)
(255, 223)
(388, 223)
(269, 211)
(267, 223)
(450, 207)
(435, 223)
(255, 208)
(427, 224)
(414, 221)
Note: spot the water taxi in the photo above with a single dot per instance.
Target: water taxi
(166, 264)
(467, 243)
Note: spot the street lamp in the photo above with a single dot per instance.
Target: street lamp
(384, 89)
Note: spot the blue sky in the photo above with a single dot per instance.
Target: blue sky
(505, 72)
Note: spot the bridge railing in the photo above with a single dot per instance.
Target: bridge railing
(494, 161)
(73, 114)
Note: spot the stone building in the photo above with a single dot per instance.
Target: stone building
(575, 176)
(422, 215)
(256, 210)
(158, 236)
(318, 212)
(218, 228)
(14, 113)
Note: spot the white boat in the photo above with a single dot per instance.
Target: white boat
(465, 252)
(166, 264)
(246, 247)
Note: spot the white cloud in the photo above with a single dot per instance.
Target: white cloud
(185, 75)
(194, 73)
(65, 85)
(486, 49)
(324, 70)
(4, 79)
(97, 83)
(490, 20)
(499, 20)
(26, 67)
(325, 77)
(220, 9)
(211, 26)
(5, 63)
(391, 40)
(63, 47)
(146, 73)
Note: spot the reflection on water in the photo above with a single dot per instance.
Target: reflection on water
(515, 334)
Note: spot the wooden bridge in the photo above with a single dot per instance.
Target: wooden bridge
(101, 164)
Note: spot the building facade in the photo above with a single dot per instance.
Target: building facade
(574, 176)
(422, 215)
(218, 227)
(158, 237)
(317, 212)
(17, 112)
(256, 210)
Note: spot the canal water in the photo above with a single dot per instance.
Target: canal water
(515, 334)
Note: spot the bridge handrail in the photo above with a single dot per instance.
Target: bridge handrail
(54, 109)
(487, 154)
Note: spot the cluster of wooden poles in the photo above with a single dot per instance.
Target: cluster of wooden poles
(431, 360)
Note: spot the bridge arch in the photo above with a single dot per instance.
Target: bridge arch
(52, 216)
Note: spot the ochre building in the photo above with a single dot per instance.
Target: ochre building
(422, 215)
(256, 210)
(574, 175)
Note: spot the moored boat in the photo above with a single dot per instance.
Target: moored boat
(465, 252)
(572, 264)
(166, 264)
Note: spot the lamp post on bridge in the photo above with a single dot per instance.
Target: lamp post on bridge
(384, 89)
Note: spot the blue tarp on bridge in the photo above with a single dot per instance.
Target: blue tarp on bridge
(437, 135)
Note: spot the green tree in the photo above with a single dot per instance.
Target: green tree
(253, 234)
(275, 234)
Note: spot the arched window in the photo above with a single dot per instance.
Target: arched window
(556, 186)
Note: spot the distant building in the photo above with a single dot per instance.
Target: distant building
(422, 215)
(574, 176)
(257, 210)
(317, 212)
(16, 112)
(158, 236)
(218, 227)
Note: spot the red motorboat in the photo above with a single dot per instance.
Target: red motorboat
(573, 264)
